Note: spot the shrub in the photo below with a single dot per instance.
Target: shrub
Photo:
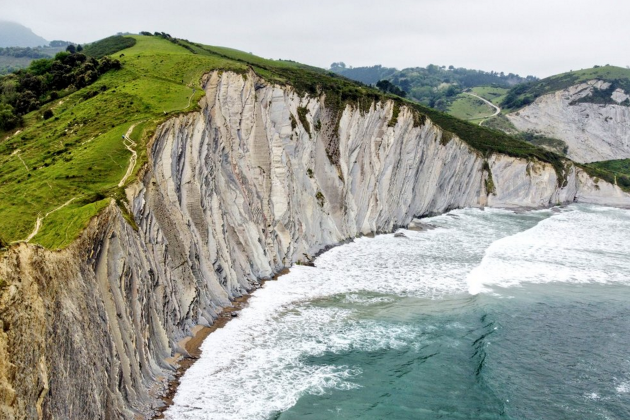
(48, 114)
(108, 46)
(8, 120)
(302, 111)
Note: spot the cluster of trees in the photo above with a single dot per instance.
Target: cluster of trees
(435, 86)
(388, 87)
(26, 90)
(27, 52)
(74, 49)
(517, 98)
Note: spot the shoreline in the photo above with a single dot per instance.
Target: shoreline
(193, 344)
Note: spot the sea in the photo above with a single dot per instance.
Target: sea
(491, 314)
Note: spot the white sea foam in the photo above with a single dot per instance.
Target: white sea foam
(263, 361)
(623, 388)
(580, 245)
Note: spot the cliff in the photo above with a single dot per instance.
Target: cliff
(592, 131)
(257, 180)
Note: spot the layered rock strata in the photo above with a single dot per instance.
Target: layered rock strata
(257, 180)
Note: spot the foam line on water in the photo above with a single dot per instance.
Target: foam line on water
(582, 244)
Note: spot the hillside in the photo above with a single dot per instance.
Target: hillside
(13, 34)
(434, 86)
(526, 94)
(585, 113)
(78, 155)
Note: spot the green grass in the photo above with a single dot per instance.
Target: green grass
(468, 107)
(108, 46)
(612, 171)
(493, 94)
(79, 152)
(620, 167)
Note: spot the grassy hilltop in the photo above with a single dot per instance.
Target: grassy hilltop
(79, 154)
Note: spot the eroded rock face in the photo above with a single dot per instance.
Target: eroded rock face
(232, 194)
(593, 132)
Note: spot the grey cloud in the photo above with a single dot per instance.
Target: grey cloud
(540, 37)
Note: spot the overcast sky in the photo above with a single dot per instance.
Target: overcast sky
(538, 37)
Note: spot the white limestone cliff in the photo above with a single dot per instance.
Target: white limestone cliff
(232, 194)
(593, 132)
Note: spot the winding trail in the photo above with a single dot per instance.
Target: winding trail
(497, 112)
(130, 145)
(40, 219)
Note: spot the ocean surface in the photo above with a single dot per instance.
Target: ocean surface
(491, 315)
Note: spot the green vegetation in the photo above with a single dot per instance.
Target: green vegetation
(525, 94)
(302, 111)
(395, 112)
(502, 123)
(468, 107)
(434, 86)
(77, 153)
(388, 87)
(613, 171)
(44, 81)
(494, 94)
(15, 58)
(549, 143)
(108, 46)
(320, 198)
(489, 182)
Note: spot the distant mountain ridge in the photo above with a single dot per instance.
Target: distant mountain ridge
(13, 34)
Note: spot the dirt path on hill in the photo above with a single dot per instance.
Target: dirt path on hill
(497, 109)
(130, 145)
(38, 223)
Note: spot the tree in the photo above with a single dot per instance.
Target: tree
(26, 102)
(8, 120)
(79, 48)
(338, 66)
(389, 87)
(41, 66)
(71, 49)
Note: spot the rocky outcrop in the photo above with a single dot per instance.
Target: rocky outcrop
(592, 131)
(232, 194)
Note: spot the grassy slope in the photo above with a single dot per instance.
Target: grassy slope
(469, 108)
(612, 171)
(79, 153)
(493, 94)
(562, 81)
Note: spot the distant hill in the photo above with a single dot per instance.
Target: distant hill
(13, 34)
(525, 94)
(435, 86)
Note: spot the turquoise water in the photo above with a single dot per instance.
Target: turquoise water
(492, 315)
